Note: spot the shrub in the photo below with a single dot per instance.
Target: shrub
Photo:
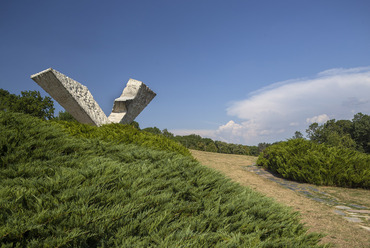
(305, 161)
(61, 191)
(126, 134)
(29, 102)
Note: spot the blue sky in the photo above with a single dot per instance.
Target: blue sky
(238, 71)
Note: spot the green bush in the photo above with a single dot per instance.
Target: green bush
(57, 190)
(29, 102)
(306, 161)
(126, 134)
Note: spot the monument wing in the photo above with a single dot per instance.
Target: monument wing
(77, 100)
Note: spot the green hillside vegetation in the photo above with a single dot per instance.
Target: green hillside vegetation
(29, 102)
(353, 134)
(123, 134)
(307, 161)
(80, 190)
(337, 154)
(196, 142)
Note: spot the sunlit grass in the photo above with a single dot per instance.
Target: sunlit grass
(61, 191)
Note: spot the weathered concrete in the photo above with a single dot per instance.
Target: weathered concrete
(74, 97)
(77, 100)
(134, 98)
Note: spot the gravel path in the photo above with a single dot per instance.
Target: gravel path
(318, 215)
(351, 212)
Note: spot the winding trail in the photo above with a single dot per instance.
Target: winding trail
(318, 215)
(351, 212)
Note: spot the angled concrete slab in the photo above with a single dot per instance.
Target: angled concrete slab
(77, 100)
(74, 97)
(134, 98)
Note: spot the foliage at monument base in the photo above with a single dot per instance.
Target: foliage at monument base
(306, 161)
(57, 190)
(29, 102)
(126, 134)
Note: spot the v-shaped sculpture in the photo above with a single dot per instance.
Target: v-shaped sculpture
(77, 100)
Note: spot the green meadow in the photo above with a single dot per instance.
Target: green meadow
(71, 185)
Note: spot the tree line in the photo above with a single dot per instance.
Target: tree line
(196, 142)
(353, 134)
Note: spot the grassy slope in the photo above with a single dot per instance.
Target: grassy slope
(127, 134)
(57, 190)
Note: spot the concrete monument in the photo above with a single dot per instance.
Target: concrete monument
(134, 98)
(77, 100)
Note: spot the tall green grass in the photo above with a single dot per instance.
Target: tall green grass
(306, 161)
(126, 134)
(57, 190)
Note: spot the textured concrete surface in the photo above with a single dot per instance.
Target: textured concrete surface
(74, 97)
(77, 100)
(134, 98)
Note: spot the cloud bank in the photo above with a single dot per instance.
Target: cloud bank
(274, 113)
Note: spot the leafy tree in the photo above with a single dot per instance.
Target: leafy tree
(154, 130)
(313, 132)
(135, 124)
(211, 147)
(196, 142)
(201, 146)
(253, 150)
(244, 150)
(65, 116)
(29, 102)
(167, 134)
(298, 135)
(344, 126)
(6, 100)
(189, 141)
(361, 132)
(340, 140)
(353, 134)
(223, 147)
(262, 146)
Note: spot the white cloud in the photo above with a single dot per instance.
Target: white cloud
(274, 113)
(336, 71)
(318, 118)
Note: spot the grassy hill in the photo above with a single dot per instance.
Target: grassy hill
(60, 190)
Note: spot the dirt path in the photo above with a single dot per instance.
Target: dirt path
(318, 216)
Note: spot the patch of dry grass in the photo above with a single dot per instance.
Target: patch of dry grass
(317, 216)
(352, 196)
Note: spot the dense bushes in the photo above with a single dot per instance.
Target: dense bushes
(305, 161)
(126, 134)
(57, 190)
(29, 102)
